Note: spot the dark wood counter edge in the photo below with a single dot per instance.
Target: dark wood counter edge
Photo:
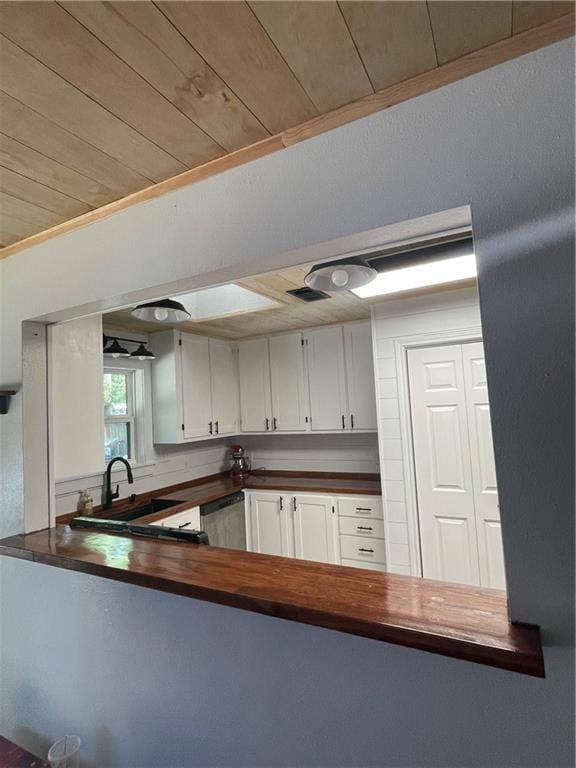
(336, 482)
(528, 661)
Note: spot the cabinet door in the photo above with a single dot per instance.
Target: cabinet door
(224, 381)
(327, 379)
(483, 468)
(288, 382)
(314, 528)
(196, 397)
(442, 463)
(254, 372)
(268, 524)
(360, 376)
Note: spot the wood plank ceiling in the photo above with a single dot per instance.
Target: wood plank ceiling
(101, 99)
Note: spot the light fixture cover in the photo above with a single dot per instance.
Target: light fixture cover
(162, 311)
(114, 349)
(339, 276)
(141, 353)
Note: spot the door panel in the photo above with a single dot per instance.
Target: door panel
(224, 378)
(196, 396)
(327, 379)
(268, 524)
(254, 374)
(314, 528)
(360, 376)
(483, 468)
(288, 382)
(442, 463)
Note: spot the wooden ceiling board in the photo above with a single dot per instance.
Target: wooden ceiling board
(145, 39)
(394, 38)
(460, 27)
(13, 207)
(527, 14)
(231, 39)
(26, 189)
(81, 59)
(14, 229)
(315, 43)
(53, 142)
(31, 82)
(36, 166)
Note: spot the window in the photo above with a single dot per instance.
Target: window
(119, 417)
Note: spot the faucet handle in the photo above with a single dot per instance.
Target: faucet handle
(116, 492)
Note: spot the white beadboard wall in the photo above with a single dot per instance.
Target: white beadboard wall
(445, 315)
(168, 465)
(313, 453)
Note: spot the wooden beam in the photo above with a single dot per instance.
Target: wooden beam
(471, 64)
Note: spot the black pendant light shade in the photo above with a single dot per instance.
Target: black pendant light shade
(114, 349)
(141, 353)
(340, 276)
(163, 311)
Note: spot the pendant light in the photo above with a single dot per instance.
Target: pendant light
(340, 276)
(141, 353)
(114, 349)
(162, 311)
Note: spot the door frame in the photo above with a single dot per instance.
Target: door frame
(402, 344)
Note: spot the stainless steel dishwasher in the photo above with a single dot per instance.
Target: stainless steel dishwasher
(224, 521)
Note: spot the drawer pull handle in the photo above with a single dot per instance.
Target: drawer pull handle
(363, 509)
(361, 549)
(184, 525)
(363, 528)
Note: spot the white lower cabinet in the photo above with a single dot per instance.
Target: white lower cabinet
(189, 519)
(347, 530)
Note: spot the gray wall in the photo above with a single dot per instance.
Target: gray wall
(152, 680)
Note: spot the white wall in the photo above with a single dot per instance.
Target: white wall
(442, 315)
(313, 453)
(150, 679)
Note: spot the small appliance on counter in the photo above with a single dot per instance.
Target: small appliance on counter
(240, 464)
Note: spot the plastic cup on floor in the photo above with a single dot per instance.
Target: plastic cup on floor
(65, 753)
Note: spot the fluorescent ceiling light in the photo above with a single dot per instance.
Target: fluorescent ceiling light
(420, 276)
(223, 300)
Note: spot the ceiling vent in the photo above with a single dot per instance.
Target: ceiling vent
(309, 294)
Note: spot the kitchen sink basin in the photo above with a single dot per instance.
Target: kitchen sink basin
(156, 505)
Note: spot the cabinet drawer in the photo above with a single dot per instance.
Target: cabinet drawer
(362, 548)
(360, 506)
(190, 518)
(361, 564)
(352, 526)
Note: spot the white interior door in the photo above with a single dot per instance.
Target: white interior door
(288, 382)
(196, 395)
(268, 524)
(254, 373)
(327, 379)
(483, 468)
(224, 382)
(314, 528)
(360, 376)
(442, 462)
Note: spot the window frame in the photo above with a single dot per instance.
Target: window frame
(130, 416)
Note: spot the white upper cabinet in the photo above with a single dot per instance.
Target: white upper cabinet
(255, 396)
(327, 379)
(224, 385)
(194, 387)
(360, 377)
(196, 391)
(288, 380)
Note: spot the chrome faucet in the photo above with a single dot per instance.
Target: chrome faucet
(109, 495)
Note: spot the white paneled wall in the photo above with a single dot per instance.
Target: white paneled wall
(314, 453)
(394, 323)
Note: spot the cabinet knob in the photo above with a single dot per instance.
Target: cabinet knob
(351, 421)
(216, 428)
(274, 423)
(185, 525)
(210, 428)
(343, 422)
(363, 528)
(267, 424)
(361, 549)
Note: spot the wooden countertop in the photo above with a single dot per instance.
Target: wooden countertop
(462, 622)
(213, 487)
(13, 756)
